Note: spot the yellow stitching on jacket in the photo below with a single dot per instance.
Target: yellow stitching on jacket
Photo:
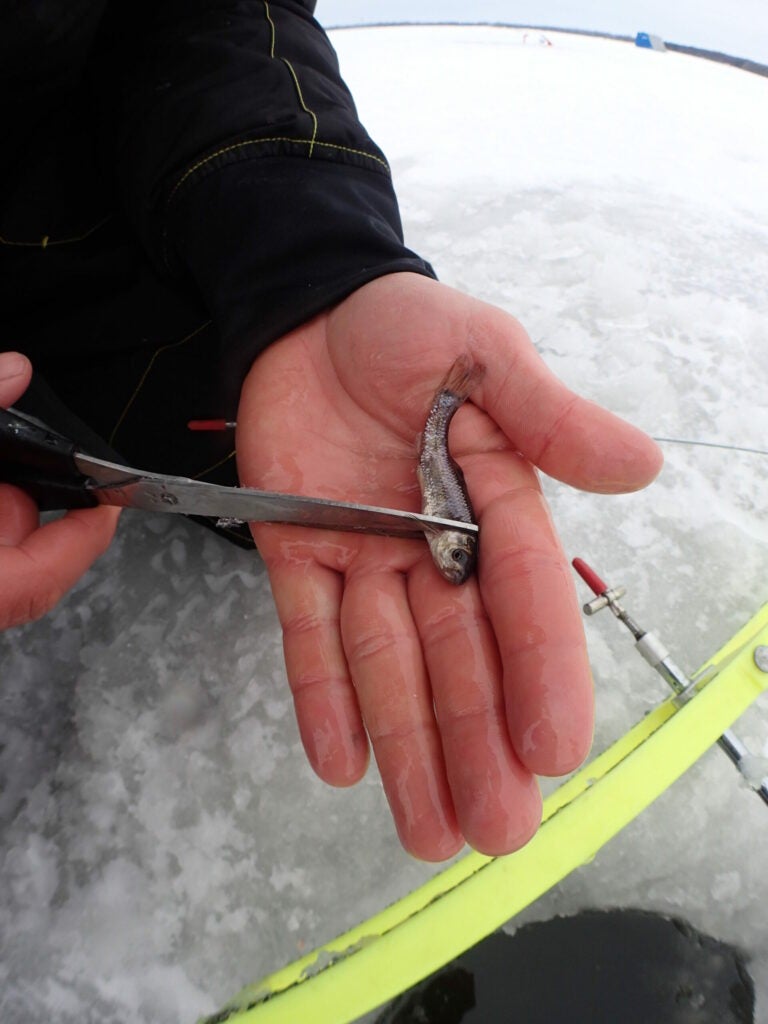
(294, 76)
(303, 105)
(272, 29)
(46, 241)
(257, 142)
(142, 379)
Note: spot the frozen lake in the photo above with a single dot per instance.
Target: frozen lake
(162, 840)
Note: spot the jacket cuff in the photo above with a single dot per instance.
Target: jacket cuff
(274, 240)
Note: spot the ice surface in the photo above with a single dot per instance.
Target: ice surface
(162, 840)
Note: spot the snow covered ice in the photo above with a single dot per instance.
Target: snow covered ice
(162, 840)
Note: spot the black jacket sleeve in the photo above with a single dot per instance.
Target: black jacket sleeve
(242, 161)
(183, 182)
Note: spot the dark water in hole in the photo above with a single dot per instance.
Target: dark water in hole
(599, 967)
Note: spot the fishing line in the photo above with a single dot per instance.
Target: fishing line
(712, 444)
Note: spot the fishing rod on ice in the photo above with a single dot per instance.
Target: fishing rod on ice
(658, 657)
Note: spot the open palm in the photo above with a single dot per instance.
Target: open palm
(466, 693)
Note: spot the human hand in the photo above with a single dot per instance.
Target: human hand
(466, 693)
(38, 564)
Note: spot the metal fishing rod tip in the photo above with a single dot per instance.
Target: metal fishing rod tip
(605, 596)
(211, 425)
(607, 600)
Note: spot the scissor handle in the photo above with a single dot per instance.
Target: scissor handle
(42, 463)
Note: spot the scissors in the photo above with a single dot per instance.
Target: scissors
(53, 471)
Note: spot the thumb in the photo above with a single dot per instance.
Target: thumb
(15, 375)
(566, 436)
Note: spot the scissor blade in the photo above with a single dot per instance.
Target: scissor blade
(155, 492)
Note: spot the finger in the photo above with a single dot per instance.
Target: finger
(48, 562)
(385, 659)
(568, 437)
(421, 326)
(497, 800)
(15, 375)
(308, 599)
(528, 591)
(19, 515)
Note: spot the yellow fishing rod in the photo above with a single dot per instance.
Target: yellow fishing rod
(658, 657)
(387, 954)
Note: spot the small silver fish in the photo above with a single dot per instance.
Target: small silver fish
(443, 491)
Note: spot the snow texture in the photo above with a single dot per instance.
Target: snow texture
(162, 840)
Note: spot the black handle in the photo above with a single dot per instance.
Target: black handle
(42, 463)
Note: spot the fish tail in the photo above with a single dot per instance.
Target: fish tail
(463, 377)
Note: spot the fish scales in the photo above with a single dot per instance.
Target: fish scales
(443, 488)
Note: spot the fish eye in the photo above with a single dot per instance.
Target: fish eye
(459, 555)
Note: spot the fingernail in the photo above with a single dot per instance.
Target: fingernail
(12, 364)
